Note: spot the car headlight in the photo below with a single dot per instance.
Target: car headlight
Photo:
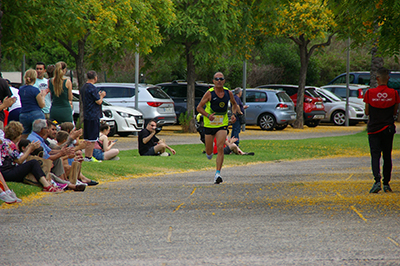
(125, 115)
(358, 109)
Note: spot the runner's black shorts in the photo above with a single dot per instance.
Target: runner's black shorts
(214, 130)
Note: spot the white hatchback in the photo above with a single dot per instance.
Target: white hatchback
(153, 102)
(127, 120)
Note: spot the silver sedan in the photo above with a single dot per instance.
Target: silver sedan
(335, 108)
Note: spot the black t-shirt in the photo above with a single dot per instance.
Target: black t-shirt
(143, 148)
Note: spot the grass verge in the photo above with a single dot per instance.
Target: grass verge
(190, 158)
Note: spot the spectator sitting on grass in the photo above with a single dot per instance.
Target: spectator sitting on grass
(14, 168)
(60, 183)
(230, 147)
(103, 147)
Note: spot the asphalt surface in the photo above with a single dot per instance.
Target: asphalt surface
(306, 212)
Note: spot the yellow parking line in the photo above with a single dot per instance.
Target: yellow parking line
(177, 208)
(349, 177)
(359, 214)
(193, 191)
(394, 242)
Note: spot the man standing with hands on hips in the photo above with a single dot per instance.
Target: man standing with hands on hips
(216, 119)
(381, 104)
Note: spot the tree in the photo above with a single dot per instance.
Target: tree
(370, 22)
(305, 22)
(201, 33)
(105, 25)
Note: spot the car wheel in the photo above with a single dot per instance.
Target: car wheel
(266, 122)
(281, 127)
(339, 118)
(124, 134)
(312, 123)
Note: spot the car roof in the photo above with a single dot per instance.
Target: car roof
(352, 86)
(183, 82)
(124, 84)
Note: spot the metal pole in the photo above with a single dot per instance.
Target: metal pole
(347, 82)
(244, 85)
(136, 77)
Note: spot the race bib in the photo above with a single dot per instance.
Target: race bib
(218, 120)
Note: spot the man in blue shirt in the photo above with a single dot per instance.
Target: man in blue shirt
(39, 133)
(92, 100)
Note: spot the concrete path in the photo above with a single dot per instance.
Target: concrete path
(308, 212)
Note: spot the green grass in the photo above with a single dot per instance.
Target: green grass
(190, 157)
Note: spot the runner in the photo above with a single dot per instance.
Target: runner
(216, 119)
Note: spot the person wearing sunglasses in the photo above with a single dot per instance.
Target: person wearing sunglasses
(216, 119)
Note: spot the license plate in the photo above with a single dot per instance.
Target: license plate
(319, 117)
(168, 109)
(110, 123)
(293, 117)
(318, 106)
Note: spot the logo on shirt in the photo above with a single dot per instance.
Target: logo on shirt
(381, 97)
(222, 104)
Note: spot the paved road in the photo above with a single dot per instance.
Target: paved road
(308, 212)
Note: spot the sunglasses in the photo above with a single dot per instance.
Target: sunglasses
(219, 79)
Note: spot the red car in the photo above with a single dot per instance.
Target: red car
(313, 107)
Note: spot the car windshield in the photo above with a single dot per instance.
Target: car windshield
(333, 97)
(157, 93)
(311, 92)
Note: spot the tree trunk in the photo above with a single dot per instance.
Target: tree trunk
(191, 77)
(376, 63)
(81, 76)
(299, 123)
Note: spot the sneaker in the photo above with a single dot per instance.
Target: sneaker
(91, 160)
(52, 189)
(116, 158)
(92, 183)
(12, 195)
(375, 188)
(62, 186)
(6, 198)
(79, 182)
(165, 154)
(217, 179)
(387, 188)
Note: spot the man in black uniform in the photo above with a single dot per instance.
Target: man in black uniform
(149, 144)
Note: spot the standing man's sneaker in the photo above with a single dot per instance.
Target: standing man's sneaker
(375, 188)
(387, 188)
(217, 179)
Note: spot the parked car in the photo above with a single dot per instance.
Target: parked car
(125, 120)
(335, 108)
(153, 102)
(269, 109)
(313, 106)
(363, 78)
(356, 92)
(177, 90)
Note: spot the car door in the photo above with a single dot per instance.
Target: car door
(256, 100)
